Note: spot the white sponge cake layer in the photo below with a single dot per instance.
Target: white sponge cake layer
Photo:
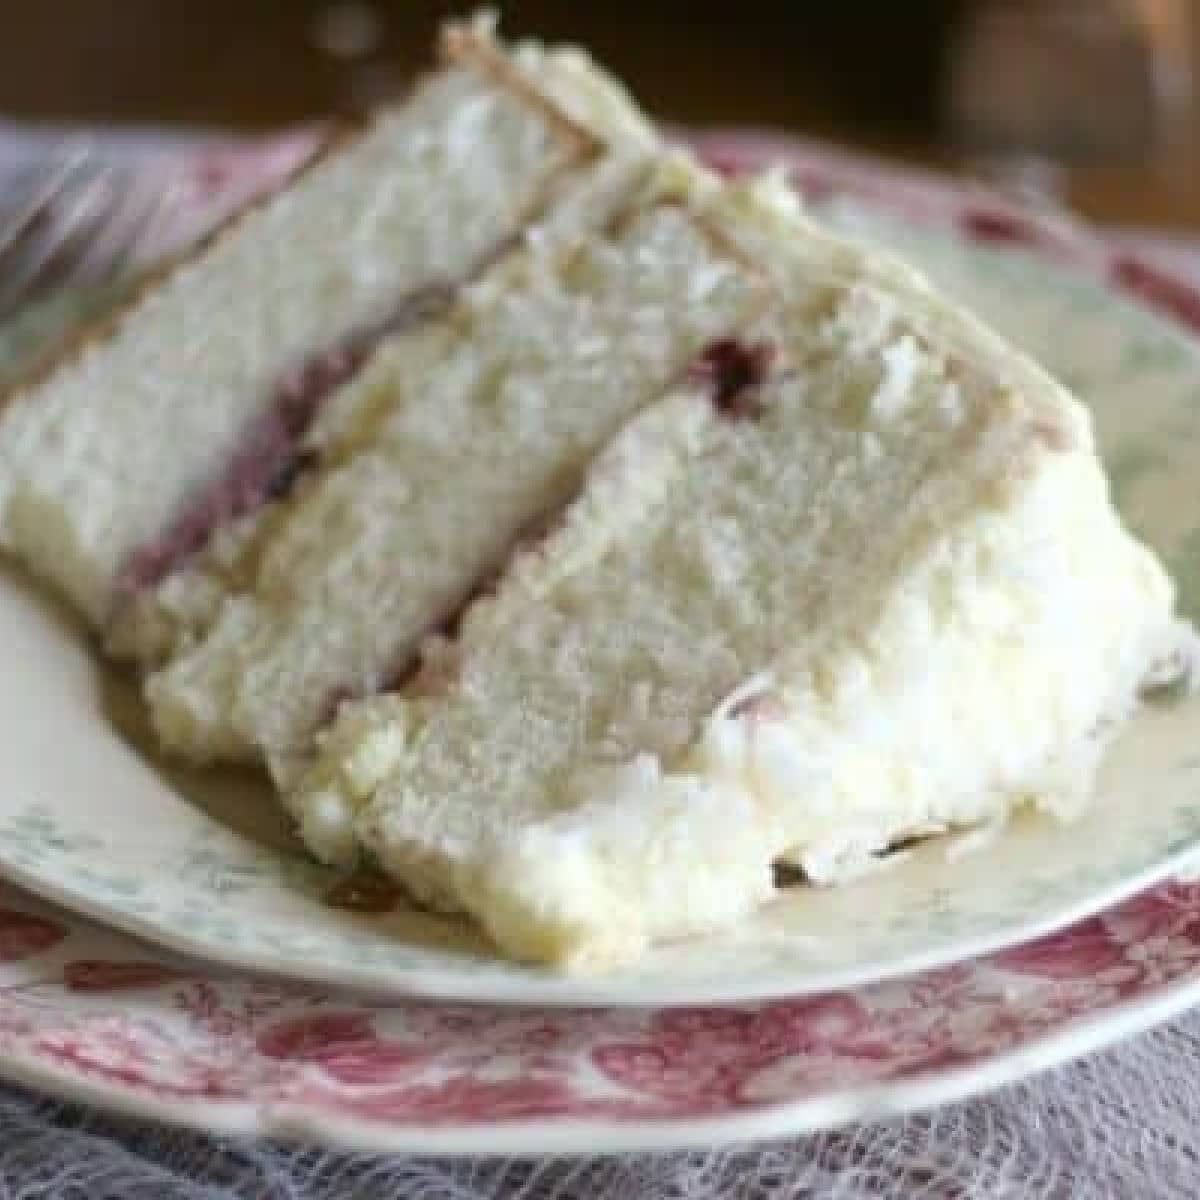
(489, 419)
(880, 594)
(101, 457)
(156, 622)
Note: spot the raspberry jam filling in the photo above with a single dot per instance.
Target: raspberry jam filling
(733, 373)
(430, 667)
(272, 456)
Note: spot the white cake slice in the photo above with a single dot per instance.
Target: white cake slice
(445, 450)
(144, 443)
(580, 539)
(857, 578)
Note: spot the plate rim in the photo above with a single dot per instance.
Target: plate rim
(561, 992)
(297, 1123)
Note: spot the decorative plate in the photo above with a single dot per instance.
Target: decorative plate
(94, 1016)
(203, 864)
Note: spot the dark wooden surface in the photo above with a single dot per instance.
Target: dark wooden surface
(865, 73)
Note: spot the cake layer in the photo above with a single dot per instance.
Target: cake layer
(857, 579)
(156, 622)
(121, 462)
(481, 423)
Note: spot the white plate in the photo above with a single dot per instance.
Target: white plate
(203, 864)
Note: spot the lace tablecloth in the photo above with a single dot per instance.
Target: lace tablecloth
(1120, 1124)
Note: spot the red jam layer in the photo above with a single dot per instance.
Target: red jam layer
(272, 455)
(733, 372)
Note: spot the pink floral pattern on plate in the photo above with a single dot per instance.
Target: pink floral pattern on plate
(149, 1033)
(820, 172)
(97, 1015)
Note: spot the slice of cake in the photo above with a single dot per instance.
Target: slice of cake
(189, 411)
(857, 578)
(461, 439)
(578, 538)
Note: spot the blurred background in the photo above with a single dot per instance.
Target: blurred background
(1093, 100)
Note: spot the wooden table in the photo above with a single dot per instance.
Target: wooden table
(812, 67)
